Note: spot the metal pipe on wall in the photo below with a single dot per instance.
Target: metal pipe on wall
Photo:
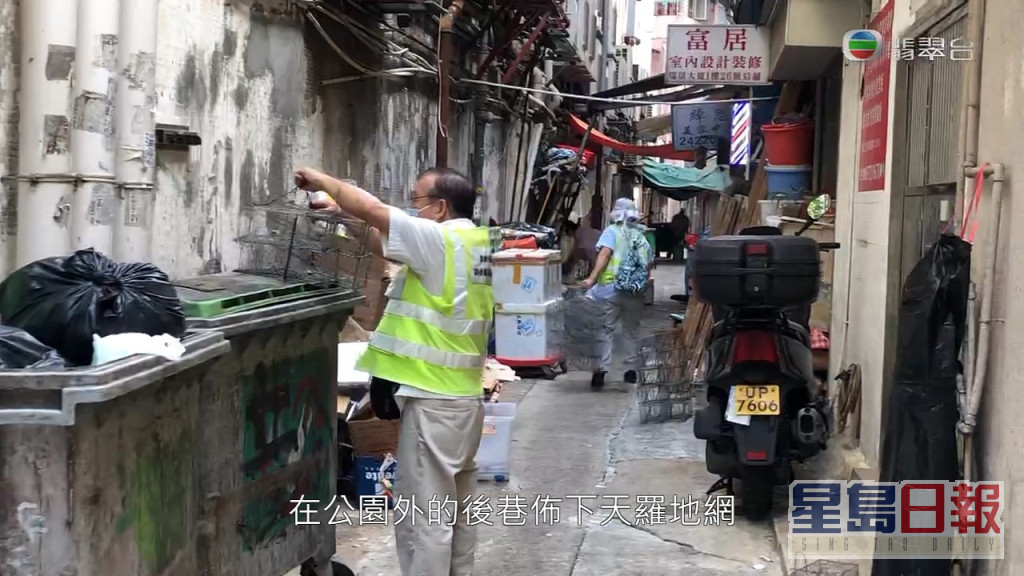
(972, 101)
(46, 186)
(95, 205)
(136, 134)
(446, 33)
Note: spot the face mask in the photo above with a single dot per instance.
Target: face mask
(415, 212)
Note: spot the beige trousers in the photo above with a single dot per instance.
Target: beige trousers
(436, 478)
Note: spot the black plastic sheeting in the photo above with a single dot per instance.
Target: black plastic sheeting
(62, 302)
(18, 349)
(919, 437)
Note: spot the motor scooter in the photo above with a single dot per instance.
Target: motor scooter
(764, 410)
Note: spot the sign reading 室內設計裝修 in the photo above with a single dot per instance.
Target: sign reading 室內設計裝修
(717, 54)
(696, 125)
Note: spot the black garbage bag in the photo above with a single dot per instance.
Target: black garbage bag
(18, 349)
(919, 435)
(62, 302)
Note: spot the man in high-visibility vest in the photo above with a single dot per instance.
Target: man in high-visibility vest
(429, 351)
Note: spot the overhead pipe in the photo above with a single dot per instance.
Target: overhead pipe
(446, 34)
(46, 182)
(136, 136)
(95, 206)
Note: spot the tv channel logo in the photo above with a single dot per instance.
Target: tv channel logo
(862, 45)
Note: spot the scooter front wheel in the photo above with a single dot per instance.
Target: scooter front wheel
(757, 489)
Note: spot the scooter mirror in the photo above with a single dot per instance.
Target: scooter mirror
(817, 208)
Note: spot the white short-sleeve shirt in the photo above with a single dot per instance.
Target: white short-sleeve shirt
(419, 244)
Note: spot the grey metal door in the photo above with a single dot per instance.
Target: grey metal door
(930, 168)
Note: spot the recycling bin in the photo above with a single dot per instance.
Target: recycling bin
(98, 465)
(268, 422)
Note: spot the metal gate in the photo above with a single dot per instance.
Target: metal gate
(929, 168)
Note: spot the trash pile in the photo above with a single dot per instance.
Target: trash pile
(85, 309)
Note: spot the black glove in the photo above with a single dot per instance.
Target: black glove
(382, 399)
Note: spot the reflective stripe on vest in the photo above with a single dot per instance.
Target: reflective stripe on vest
(438, 342)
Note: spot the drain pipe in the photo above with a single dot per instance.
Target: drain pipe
(446, 33)
(46, 183)
(136, 149)
(95, 206)
(998, 175)
(972, 105)
(482, 117)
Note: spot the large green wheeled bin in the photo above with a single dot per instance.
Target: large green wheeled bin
(268, 421)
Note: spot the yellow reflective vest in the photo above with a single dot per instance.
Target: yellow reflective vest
(438, 342)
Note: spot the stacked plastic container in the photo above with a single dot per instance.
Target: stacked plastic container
(493, 458)
(528, 304)
(789, 150)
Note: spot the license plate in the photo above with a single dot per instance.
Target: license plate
(762, 400)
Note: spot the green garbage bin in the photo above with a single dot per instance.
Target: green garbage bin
(649, 234)
(99, 473)
(268, 421)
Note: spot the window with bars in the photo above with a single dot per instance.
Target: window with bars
(668, 7)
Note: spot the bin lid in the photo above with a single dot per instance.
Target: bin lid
(521, 254)
(231, 292)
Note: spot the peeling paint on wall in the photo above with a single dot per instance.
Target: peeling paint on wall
(56, 134)
(60, 60)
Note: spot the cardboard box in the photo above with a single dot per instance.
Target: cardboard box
(374, 437)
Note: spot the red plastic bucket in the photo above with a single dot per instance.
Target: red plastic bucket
(789, 144)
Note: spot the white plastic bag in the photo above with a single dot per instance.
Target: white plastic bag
(118, 346)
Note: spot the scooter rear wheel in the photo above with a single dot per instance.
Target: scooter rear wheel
(757, 489)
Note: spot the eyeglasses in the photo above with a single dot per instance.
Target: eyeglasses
(415, 198)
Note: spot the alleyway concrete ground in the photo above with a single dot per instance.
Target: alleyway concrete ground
(569, 443)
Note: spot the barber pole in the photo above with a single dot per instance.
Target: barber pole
(740, 150)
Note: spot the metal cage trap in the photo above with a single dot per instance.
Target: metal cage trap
(664, 389)
(292, 243)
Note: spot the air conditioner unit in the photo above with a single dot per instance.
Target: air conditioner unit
(698, 10)
(623, 65)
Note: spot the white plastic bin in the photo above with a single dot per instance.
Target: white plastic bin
(526, 276)
(493, 457)
(528, 334)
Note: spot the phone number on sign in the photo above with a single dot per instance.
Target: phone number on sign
(515, 510)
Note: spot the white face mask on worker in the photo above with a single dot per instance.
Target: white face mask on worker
(415, 212)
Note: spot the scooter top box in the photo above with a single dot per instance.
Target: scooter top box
(746, 271)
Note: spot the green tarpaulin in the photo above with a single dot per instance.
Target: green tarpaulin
(680, 183)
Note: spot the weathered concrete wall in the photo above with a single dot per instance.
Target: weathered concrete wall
(239, 75)
(1000, 140)
(246, 76)
(9, 63)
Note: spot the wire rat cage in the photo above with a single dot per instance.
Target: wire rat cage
(664, 389)
(291, 243)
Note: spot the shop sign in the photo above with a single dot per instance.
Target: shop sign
(696, 125)
(874, 121)
(718, 54)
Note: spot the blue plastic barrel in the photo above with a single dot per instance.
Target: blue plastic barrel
(790, 182)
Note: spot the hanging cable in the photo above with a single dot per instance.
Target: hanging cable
(366, 71)
(608, 100)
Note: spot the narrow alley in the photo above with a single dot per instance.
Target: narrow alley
(571, 445)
